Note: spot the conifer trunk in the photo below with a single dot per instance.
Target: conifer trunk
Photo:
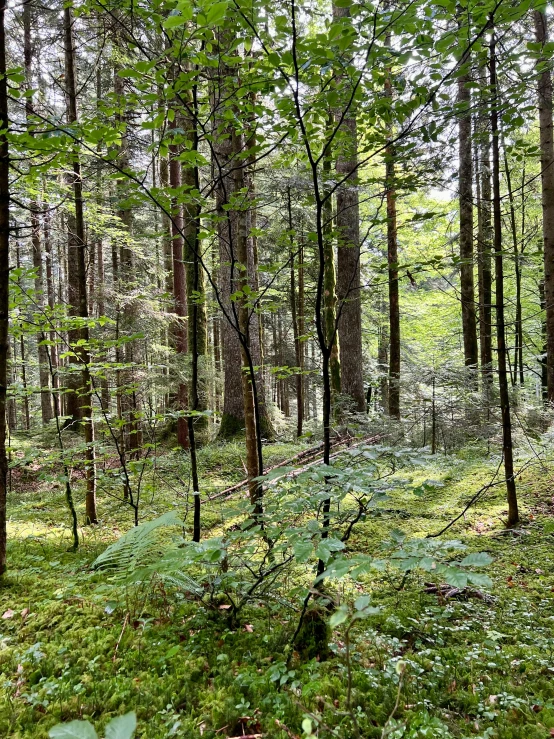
(78, 281)
(44, 372)
(4, 281)
(348, 251)
(507, 449)
(467, 291)
(547, 179)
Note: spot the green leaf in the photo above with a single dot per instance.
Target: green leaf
(455, 577)
(122, 727)
(307, 726)
(216, 13)
(73, 730)
(361, 602)
(476, 559)
(302, 550)
(174, 21)
(338, 617)
(479, 580)
(327, 546)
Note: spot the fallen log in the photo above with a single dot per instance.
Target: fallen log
(300, 457)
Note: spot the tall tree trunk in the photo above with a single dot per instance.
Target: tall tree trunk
(484, 246)
(232, 417)
(547, 178)
(50, 290)
(256, 323)
(465, 178)
(44, 373)
(518, 327)
(392, 259)
(78, 282)
(196, 304)
(348, 251)
(295, 324)
(251, 421)
(4, 280)
(513, 514)
(329, 289)
(179, 286)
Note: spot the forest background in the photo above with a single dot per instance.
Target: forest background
(270, 278)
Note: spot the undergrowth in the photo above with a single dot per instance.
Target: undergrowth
(418, 665)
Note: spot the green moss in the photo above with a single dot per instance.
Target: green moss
(312, 641)
(230, 426)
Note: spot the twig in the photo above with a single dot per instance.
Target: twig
(125, 622)
(386, 731)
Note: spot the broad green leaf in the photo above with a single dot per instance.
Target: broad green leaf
(476, 559)
(361, 602)
(73, 730)
(216, 13)
(338, 617)
(455, 577)
(122, 727)
(302, 550)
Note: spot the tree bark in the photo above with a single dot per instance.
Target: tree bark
(465, 174)
(295, 324)
(4, 281)
(44, 372)
(507, 449)
(392, 259)
(484, 246)
(348, 251)
(547, 179)
(78, 281)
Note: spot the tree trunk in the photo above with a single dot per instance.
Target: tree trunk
(392, 259)
(518, 327)
(295, 324)
(467, 292)
(329, 287)
(513, 514)
(547, 179)
(348, 251)
(44, 372)
(253, 448)
(179, 286)
(4, 280)
(78, 281)
(484, 246)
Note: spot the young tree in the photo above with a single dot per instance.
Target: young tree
(507, 447)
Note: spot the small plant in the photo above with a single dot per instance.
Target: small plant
(122, 727)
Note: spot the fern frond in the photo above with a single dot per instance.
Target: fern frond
(140, 546)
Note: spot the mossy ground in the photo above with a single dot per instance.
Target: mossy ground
(472, 668)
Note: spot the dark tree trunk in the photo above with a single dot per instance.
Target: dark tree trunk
(4, 280)
(513, 514)
(547, 178)
(348, 252)
(518, 327)
(295, 324)
(78, 282)
(44, 372)
(484, 246)
(392, 258)
(467, 292)
(179, 286)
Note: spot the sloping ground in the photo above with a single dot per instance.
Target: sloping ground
(474, 667)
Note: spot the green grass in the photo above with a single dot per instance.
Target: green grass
(470, 668)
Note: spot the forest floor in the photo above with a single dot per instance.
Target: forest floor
(473, 667)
